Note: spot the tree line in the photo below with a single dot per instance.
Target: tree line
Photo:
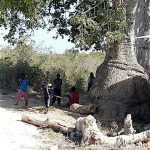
(73, 66)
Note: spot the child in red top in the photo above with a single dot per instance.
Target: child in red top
(74, 96)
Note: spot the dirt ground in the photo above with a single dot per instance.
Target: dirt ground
(17, 135)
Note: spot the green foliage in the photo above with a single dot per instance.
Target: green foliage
(113, 36)
(73, 66)
(90, 23)
(7, 72)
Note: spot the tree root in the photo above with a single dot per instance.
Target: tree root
(92, 135)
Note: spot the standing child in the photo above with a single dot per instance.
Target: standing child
(57, 89)
(90, 81)
(23, 91)
(48, 92)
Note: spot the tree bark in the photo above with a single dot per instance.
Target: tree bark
(138, 14)
(92, 135)
(46, 124)
(120, 81)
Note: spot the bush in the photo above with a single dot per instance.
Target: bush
(74, 67)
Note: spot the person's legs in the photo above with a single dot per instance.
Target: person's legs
(49, 100)
(46, 102)
(59, 95)
(19, 94)
(53, 100)
(58, 99)
(89, 86)
(25, 95)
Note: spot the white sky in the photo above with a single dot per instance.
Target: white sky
(44, 39)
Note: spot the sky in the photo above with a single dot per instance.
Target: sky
(43, 40)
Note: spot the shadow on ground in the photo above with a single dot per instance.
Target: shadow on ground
(8, 99)
(36, 104)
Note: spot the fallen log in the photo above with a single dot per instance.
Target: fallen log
(83, 109)
(46, 124)
(92, 135)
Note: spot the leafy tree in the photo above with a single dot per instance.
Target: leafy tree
(7, 72)
(120, 80)
(87, 23)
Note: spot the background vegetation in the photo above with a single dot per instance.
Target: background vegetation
(73, 66)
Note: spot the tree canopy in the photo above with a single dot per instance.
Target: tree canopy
(90, 23)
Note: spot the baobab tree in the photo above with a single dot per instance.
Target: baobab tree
(110, 25)
(121, 82)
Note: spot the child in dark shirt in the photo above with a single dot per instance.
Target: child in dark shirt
(48, 92)
(57, 89)
(90, 81)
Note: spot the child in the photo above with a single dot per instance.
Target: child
(48, 92)
(57, 89)
(90, 81)
(74, 96)
(24, 83)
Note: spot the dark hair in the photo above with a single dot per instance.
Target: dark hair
(58, 75)
(91, 74)
(73, 89)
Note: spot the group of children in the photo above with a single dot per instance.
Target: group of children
(51, 93)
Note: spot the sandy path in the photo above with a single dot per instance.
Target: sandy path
(14, 134)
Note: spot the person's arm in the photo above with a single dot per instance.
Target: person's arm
(42, 87)
(29, 83)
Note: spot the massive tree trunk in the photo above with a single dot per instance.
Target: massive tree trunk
(121, 82)
(138, 12)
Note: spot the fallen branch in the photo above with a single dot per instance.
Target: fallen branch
(46, 124)
(92, 135)
(83, 109)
